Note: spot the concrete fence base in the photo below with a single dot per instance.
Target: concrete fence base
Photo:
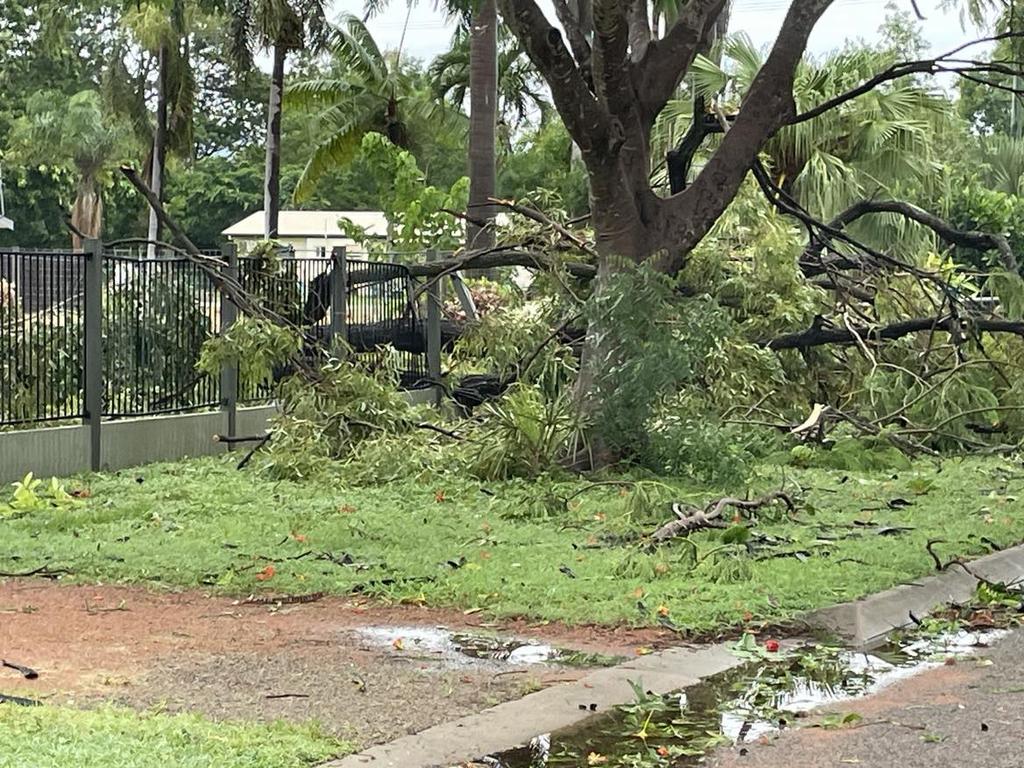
(61, 451)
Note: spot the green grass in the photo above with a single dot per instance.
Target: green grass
(57, 737)
(203, 524)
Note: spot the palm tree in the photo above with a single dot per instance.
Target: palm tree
(281, 26)
(58, 130)
(483, 123)
(521, 93)
(367, 91)
(162, 29)
(482, 17)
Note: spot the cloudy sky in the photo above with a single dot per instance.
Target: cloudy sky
(428, 33)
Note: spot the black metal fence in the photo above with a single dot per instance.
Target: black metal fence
(41, 336)
(157, 310)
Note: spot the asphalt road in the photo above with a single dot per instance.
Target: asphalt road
(966, 715)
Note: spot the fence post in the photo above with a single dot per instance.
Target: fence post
(339, 296)
(228, 315)
(92, 387)
(434, 331)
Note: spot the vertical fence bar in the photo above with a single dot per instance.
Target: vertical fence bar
(93, 384)
(228, 315)
(434, 331)
(339, 296)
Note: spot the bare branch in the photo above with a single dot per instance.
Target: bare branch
(946, 62)
(768, 105)
(980, 241)
(501, 258)
(692, 519)
(577, 39)
(667, 60)
(818, 335)
(543, 42)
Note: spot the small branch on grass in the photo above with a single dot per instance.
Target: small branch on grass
(282, 599)
(43, 571)
(939, 565)
(690, 519)
(19, 701)
(252, 451)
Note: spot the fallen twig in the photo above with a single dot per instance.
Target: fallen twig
(252, 451)
(27, 672)
(44, 570)
(281, 599)
(21, 702)
(689, 519)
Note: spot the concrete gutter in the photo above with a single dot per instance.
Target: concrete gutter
(509, 725)
(516, 722)
(870, 619)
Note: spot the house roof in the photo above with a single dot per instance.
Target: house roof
(310, 224)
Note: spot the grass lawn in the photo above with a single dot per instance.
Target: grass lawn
(35, 737)
(488, 548)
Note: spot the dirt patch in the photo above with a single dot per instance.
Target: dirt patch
(192, 651)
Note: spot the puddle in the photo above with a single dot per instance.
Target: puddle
(464, 649)
(740, 705)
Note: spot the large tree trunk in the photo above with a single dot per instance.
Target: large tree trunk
(159, 154)
(272, 171)
(483, 118)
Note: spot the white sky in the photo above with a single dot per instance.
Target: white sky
(428, 34)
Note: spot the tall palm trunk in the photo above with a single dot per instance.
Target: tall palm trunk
(483, 119)
(87, 210)
(159, 146)
(272, 171)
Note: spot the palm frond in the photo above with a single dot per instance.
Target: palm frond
(336, 152)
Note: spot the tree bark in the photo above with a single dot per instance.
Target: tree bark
(86, 212)
(272, 170)
(483, 119)
(159, 146)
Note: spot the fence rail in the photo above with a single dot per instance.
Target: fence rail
(106, 335)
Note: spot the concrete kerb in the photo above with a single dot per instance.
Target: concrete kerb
(866, 621)
(509, 725)
(516, 722)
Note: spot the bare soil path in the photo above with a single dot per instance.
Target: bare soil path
(228, 659)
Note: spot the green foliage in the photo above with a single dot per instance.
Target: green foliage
(540, 167)
(685, 440)
(977, 208)
(40, 372)
(415, 210)
(88, 738)
(526, 433)
(323, 421)
(30, 495)
(646, 346)
(256, 346)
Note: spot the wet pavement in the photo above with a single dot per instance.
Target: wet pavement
(969, 714)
